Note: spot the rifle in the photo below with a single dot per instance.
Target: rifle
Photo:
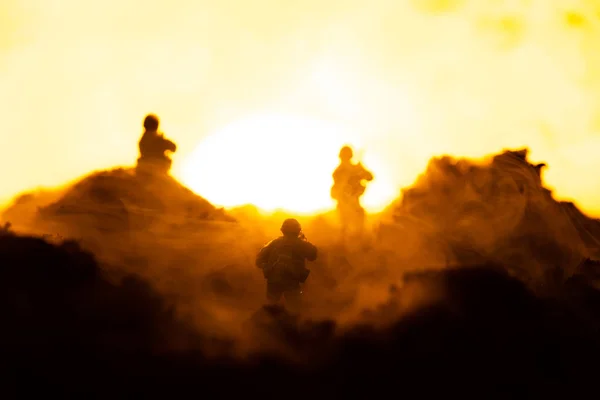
(359, 155)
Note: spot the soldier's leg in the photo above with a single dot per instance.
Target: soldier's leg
(360, 222)
(344, 232)
(342, 221)
(347, 221)
(364, 233)
(349, 226)
(293, 298)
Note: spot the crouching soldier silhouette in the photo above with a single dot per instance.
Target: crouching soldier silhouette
(153, 147)
(283, 261)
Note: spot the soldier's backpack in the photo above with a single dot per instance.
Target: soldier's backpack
(284, 267)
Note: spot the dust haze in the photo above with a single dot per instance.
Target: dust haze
(483, 238)
(478, 266)
(415, 74)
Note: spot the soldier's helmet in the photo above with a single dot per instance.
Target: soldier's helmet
(291, 226)
(151, 122)
(346, 153)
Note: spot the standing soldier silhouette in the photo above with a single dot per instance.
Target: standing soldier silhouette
(347, 189)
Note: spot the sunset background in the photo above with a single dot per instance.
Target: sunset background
(259, 95)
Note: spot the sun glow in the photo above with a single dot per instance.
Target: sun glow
(276, 161)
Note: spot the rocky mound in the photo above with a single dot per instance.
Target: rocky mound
(115, 201)
(60, 311)
(467, 212)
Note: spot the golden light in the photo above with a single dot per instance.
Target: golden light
(278, 161)
(415, 78)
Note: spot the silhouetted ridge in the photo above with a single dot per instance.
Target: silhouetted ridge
(118, 200)
(497, 211)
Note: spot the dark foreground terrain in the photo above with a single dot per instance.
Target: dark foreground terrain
(480, 284)
(68, 330)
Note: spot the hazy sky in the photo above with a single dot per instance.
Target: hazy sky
(413, 78)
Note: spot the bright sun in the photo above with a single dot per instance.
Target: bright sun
(277, 162)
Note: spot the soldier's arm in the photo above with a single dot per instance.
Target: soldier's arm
(263, 255)
(310, 251)
(368, 176)
(170, 145)
(337, 174)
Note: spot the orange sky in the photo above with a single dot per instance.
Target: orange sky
(410, 79)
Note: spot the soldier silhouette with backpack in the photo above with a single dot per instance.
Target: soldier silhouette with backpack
(283, 261)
